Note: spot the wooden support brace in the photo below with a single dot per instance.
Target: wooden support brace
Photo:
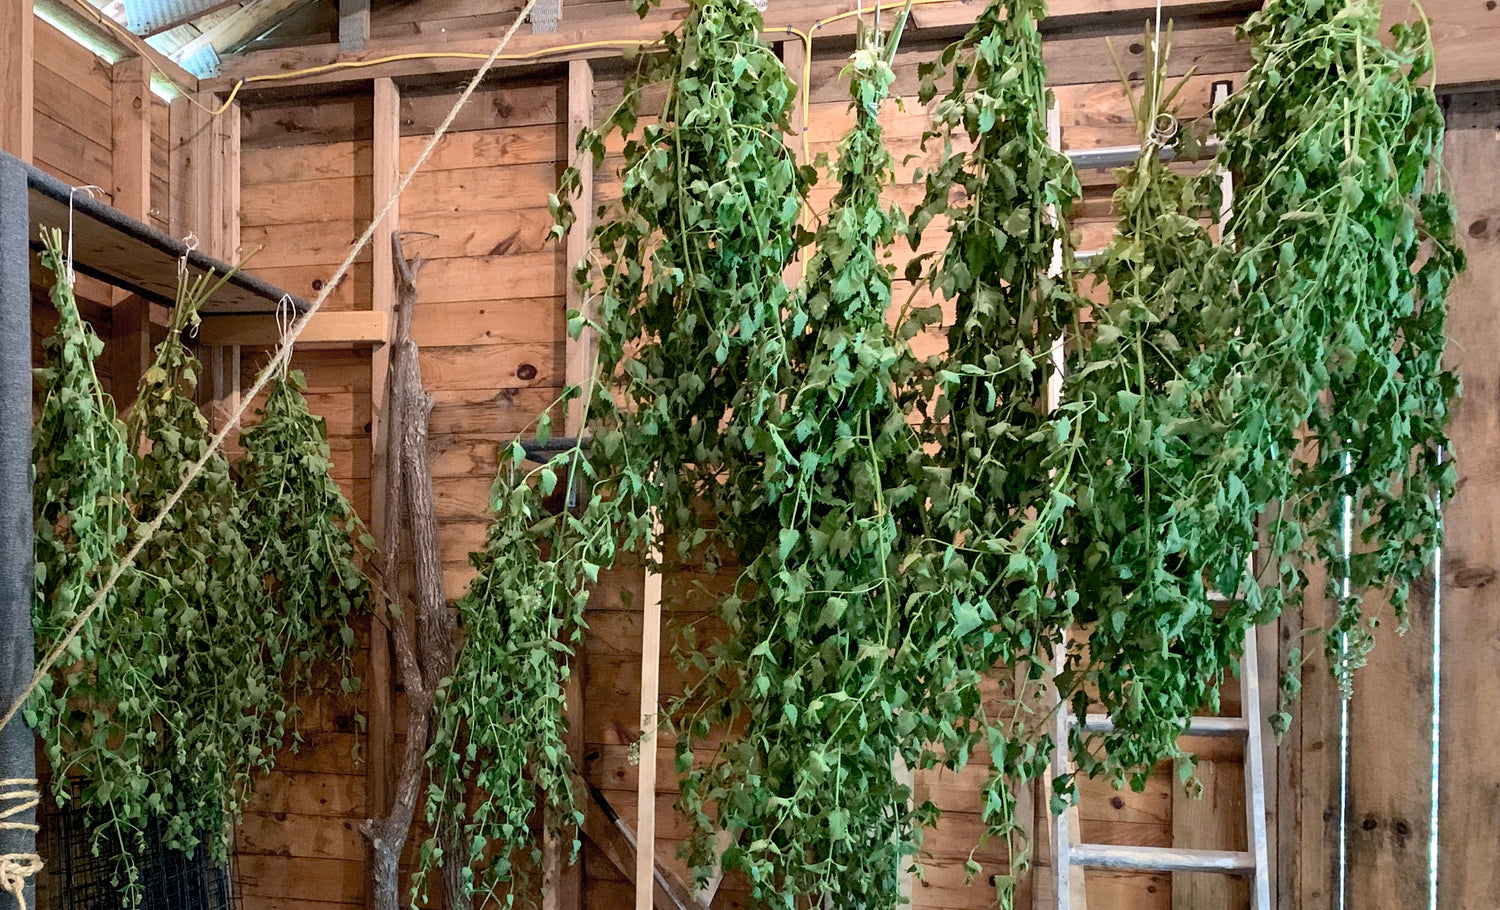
(130, 114)
(343, 327)
(580, 350)
(608, 832)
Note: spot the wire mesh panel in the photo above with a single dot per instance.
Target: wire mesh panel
(170, 879)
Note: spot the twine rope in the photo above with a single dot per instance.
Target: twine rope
(16, 869)
(283, 355)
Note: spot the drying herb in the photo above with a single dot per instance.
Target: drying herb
(1155, 505)
(1343, 252)
(194, 617)
(810, 691)
(692, 264)
(1003, 193)
(302, 533)
(81, 518)
(176, 694)
(502, 721)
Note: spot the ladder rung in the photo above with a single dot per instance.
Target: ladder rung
(1161, 859)
(1198, 726)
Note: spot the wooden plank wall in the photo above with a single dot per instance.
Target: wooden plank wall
(305, 195)
(72, 110)
(490, 323)
(1470, 682)
(490, 318)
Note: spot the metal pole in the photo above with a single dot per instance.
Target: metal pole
(17, 744)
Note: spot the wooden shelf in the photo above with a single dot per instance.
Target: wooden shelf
(136, 257)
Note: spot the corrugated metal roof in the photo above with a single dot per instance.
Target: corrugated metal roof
(146, 16)
(204, 64)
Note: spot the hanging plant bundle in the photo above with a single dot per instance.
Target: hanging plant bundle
(503, 719)
(1141, 546)
(82, 519)
(196, 614)
(692, 266)
(302, 533)
(1343, 251)
(1003, 194)
(811, 689)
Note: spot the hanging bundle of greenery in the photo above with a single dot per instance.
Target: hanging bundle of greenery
(1151, 515)
(302, 533)
(692, 266)
(195, 616)
(1342, 250)
(503, 717)
(81, 463)
(890, 566)
(1003, 193)
(179, 690)
(811, 690)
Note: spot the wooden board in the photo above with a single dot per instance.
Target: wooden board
(137, 257)
(1468, 826)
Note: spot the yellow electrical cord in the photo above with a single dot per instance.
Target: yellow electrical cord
(805, 37)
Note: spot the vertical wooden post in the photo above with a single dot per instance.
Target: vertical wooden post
(794, 58)
(645, 829)
(1469, 686)
(130, 113)
(226, 156)
(130, 316)
(580, 351)
(385, 156)
(563, 889)
(18, 25)
(205, 173)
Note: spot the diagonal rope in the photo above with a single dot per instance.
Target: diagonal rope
(283, 355)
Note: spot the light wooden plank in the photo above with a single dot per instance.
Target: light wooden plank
(581, 350)
(645, 863)
(1468, 826)
(565, 880)
(360, 327)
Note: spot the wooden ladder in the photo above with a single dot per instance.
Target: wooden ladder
(1254, 863)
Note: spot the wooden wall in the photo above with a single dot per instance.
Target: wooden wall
(490, 323)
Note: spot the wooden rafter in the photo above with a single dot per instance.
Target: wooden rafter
(234, 29)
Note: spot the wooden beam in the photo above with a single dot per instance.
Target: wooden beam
(645, 860)
(203, 161)
(226, 152)
(354, 25)
(235, 28)
(83, 15)
(564, 884)
(580, 351)
(386, 162)
(18, 24)
(130, 349)
(130, 113)
(357, 327)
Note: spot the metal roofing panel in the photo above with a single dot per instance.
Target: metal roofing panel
(146, 16)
